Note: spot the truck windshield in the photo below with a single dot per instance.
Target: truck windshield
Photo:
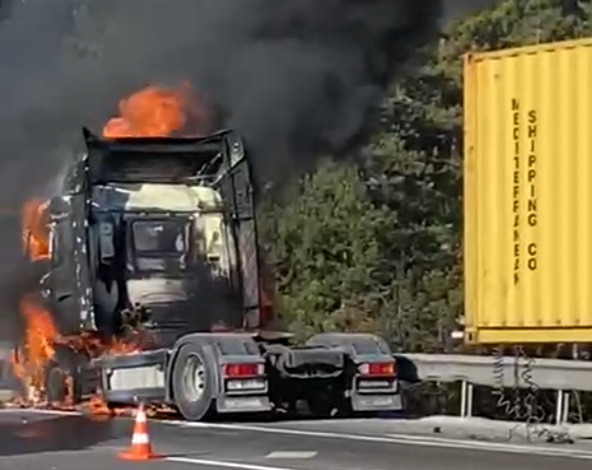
(160, 245)
(159, 237)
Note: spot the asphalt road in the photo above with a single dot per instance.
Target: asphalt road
(36, 441)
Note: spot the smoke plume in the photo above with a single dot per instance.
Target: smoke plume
(297, 77)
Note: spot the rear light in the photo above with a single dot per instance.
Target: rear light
(238, 371)
(382, 369)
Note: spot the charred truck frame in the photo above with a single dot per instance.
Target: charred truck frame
(159, 234)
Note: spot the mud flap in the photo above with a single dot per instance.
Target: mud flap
(365, 394)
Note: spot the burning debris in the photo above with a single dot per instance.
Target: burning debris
(40, 338)
(40, 347)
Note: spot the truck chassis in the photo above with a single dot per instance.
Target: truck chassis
(213, 373)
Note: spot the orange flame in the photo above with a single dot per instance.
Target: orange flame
(34, 230)
(38, 348)
(156, 112)
(41, 333)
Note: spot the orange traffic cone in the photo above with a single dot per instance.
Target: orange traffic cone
(140, 448)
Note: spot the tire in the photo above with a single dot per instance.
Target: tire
(194, 398)
(56, 387)
(62, 369)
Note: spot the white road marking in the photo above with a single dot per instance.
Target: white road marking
(291, 454)
(492, 446)
(40, 411)
(415, 440)
(224, 464)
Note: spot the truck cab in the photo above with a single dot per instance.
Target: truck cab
(145, 236)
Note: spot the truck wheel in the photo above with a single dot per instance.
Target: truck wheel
(56, 386)
(62, 377)
(192, 382)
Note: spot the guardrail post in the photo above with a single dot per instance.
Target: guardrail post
(562, 407)
(466, 399)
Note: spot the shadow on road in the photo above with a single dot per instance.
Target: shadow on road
(63, 433)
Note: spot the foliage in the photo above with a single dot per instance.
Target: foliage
(374, 243)
(327, 250)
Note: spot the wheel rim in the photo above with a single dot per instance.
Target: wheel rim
(194, 378)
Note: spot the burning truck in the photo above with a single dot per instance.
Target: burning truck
(150, 284)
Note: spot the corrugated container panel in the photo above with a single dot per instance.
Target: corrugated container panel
(528, 194)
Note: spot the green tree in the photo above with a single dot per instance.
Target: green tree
(326, 249)
(518, 23)
(378, 247)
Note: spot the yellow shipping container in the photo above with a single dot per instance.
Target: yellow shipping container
(528, 194)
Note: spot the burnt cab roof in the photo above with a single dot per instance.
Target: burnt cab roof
(164, 160)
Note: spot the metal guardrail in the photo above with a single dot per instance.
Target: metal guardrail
(512, 372)
(549, 374)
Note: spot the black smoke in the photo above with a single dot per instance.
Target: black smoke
(298, 78)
